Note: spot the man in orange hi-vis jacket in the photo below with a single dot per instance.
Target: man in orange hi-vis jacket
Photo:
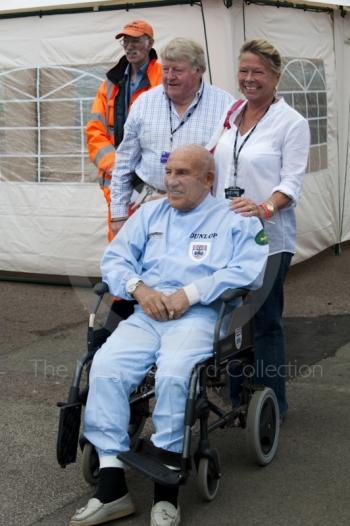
(136, 72)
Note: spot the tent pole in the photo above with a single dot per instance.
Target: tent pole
(337, 247)
(206, 42)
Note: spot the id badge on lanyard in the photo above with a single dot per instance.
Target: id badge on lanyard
(233, 191)
(164, 157)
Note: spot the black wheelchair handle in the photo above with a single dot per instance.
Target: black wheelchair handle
(231, 294)
(101, 288)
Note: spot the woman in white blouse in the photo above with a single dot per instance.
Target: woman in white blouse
(261, 149)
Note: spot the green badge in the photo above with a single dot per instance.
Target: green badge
(261, 238)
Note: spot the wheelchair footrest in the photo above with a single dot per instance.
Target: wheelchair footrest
(152, 466)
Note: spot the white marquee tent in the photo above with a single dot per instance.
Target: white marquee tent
(53, 55)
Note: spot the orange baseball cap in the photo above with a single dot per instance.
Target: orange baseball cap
(136, 28)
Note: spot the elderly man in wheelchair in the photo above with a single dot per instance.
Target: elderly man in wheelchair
(175, 256)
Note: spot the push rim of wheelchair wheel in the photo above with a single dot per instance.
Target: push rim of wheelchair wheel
(90, 464)
(262, 429)
(207, 479)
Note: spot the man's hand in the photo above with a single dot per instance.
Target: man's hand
(116, 225)
(160, 307)
(152, 302)
(177, 304)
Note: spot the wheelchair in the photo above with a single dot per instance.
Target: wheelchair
(257, 412)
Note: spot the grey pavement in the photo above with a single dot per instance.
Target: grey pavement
(43, 331)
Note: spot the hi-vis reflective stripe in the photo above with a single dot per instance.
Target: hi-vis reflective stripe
(103, 151)
(98, 117)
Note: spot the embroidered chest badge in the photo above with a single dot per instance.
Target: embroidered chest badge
(199, 251)
(261, 238)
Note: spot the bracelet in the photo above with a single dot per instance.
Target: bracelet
(118, 219)
(268, 209)
(271, 207)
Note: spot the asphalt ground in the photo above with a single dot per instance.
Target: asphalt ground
(43, 331)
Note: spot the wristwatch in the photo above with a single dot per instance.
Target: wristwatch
(132, 285)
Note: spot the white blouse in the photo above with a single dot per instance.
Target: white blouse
(274, 158)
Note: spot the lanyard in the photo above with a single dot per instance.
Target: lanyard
(187, 117)
(235, 153)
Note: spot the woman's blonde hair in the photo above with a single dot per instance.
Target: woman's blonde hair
(265, 51)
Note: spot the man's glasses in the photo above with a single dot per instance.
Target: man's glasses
(125, 41)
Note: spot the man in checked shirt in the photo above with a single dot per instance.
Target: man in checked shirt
(183, 110)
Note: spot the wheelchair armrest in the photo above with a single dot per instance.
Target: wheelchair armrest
(231, 294)
(101, 288)
(226, 297)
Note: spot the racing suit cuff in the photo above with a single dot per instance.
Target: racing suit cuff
(192, 293)
(110, 461)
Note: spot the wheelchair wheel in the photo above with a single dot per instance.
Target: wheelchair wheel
(262, 429)
(90, 464)
(208, 480)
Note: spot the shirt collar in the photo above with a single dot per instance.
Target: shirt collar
(140, 71)
(200, 90)
(198, 95)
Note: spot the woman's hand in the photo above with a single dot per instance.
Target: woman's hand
(245, 207)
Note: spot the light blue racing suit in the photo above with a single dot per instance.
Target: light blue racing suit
(209, 249)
